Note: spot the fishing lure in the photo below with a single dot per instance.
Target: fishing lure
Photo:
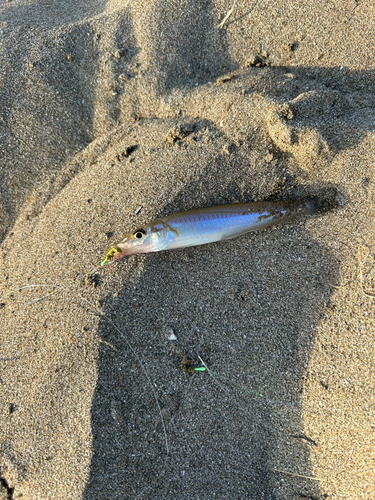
(206, 225)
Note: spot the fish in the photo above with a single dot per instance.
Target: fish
(207, 225)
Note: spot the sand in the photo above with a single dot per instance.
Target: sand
(114, 113)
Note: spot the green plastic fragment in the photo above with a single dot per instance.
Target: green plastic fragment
(200, 369)
(110, 254)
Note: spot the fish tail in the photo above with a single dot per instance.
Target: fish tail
(312, 204)
(327, 200)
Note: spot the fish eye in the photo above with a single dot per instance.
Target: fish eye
(139, 233)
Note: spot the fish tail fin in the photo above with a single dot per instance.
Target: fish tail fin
(328, 199)
(312, 204)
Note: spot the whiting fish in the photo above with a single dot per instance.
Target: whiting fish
(206, 225)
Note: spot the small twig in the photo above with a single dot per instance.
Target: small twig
(240, 386)
(305, 438)
(212, 375)
(230, 12)
(26, 286)
(62, 287)
(298, 475)
(139, 361)
(341, 276)
(368, 294)
(108, 344)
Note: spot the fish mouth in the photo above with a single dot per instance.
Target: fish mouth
(112, 254)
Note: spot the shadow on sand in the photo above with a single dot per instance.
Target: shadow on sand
(249, 307)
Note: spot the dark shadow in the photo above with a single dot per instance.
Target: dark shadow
(48, 107)
(49, 86)
(196, 49)
(249, 307)
(335, 102)
(127, 51)
(49, 13)
(48, 95)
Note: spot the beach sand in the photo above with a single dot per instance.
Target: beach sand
(114, 113)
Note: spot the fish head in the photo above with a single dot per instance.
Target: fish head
(150, 238)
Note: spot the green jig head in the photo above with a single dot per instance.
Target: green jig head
(110, 254)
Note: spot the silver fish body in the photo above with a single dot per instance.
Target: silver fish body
(206, 225)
